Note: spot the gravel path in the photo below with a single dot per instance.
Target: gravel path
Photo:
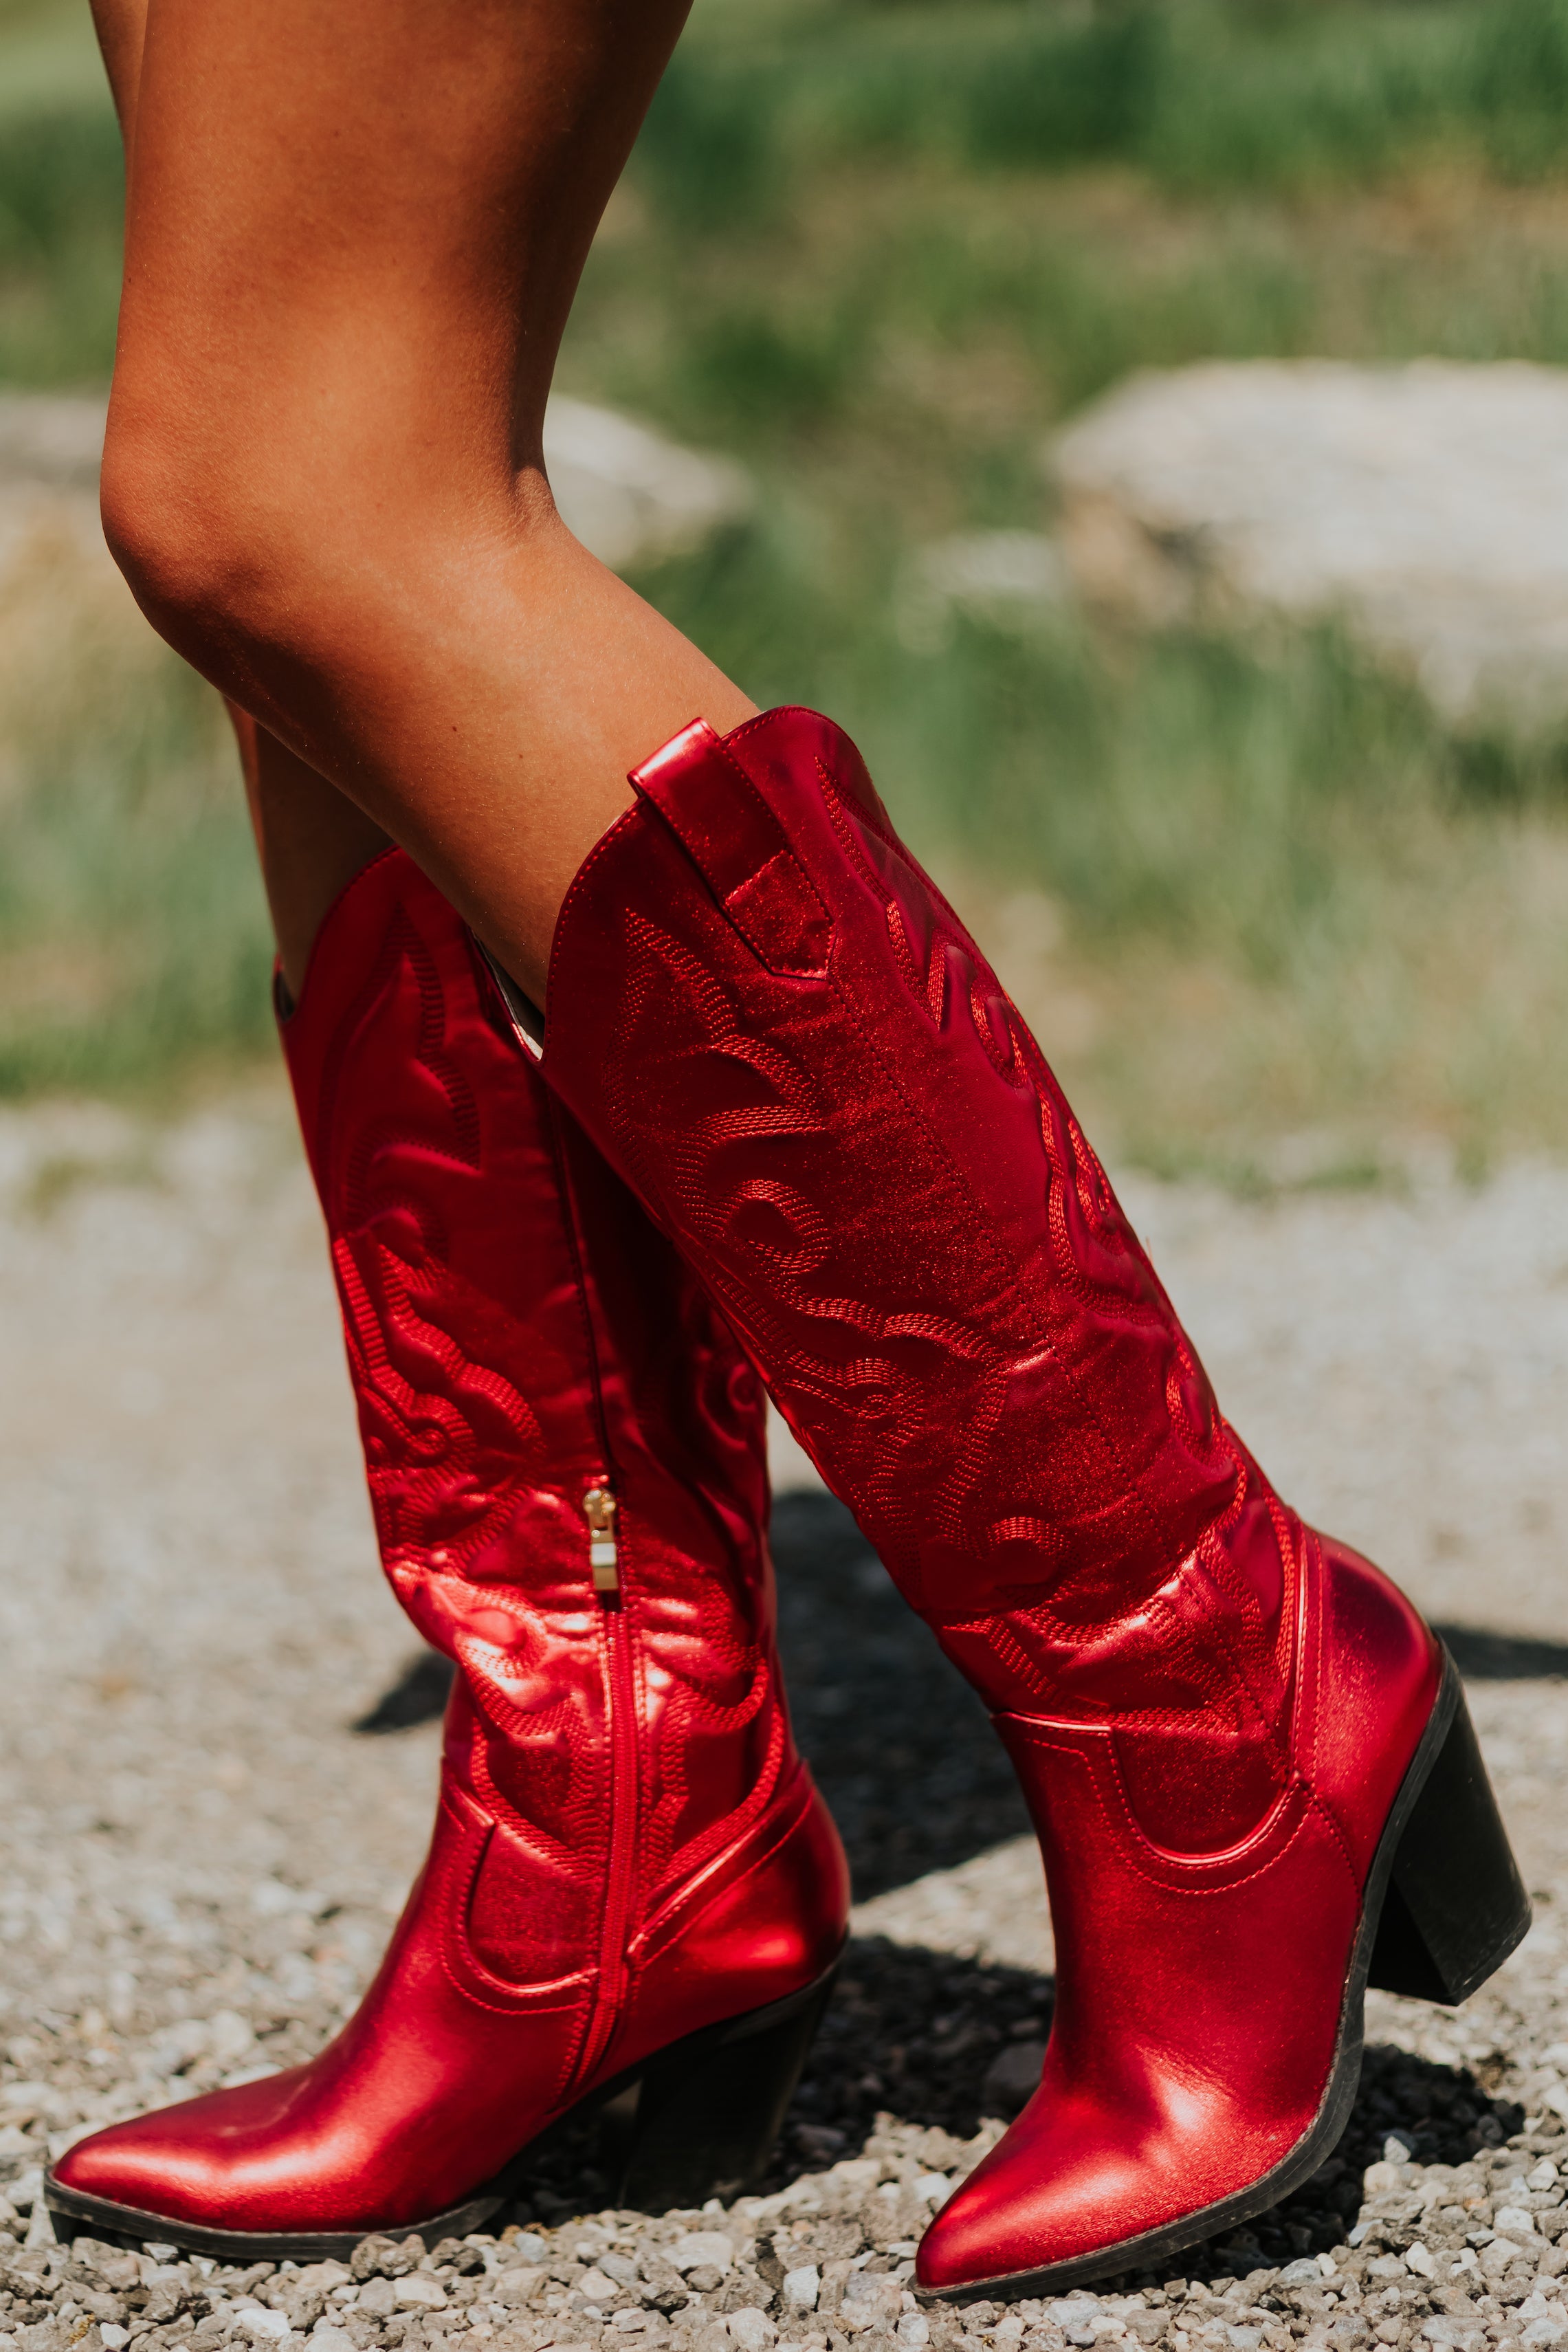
(200, 1859)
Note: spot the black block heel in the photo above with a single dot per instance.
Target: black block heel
(702, 2120)
(1455, 1905)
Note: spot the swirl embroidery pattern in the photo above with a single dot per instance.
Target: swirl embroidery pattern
(876, 1175)
(501, 1367)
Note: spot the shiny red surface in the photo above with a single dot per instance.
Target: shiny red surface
(627, 1847)
(773, 1025)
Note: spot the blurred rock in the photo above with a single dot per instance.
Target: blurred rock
(63, 604)
(51, 437)
(630, 495)
(1427, 504)
(49, 450)
(1005, 577)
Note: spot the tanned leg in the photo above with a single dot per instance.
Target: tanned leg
(121, 28)
(310, 839)
(354, 236)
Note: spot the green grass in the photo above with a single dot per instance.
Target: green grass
(60, 205)
(61, 198)
(1199, 94)
(134, 949)
(1244, 881)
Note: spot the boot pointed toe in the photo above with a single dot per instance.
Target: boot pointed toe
(1076, 2189)
(120, 2164)
(175, 2162)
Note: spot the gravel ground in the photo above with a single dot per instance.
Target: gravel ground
(200, 1858)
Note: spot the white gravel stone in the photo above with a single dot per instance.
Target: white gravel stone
(801, 2287)
(696, 2250)
(266, 2327)
(870, 2300)
(515, 2286)
(421, 2293)
(752, 2330)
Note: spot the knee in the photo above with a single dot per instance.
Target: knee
(209, 523)
(266, 544)
(172, 517)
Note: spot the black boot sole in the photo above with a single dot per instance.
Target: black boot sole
(1443, 1907)
(696, 2120)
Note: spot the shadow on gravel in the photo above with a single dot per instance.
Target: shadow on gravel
(901, 1747)
(915, 2035)
(418, 1696)
(1483, 1657)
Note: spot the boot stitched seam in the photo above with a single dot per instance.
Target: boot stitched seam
(542, 1844)
(440, 1408)
(1275, 1725)
(1034, 1076)
(575, 891)
(1342, 1841)
(708, 1846)
(573, 1991)
(660, 1932)
(1172, 1860)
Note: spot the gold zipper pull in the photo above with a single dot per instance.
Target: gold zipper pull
(599, 1510)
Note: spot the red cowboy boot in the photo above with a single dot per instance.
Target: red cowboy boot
(1249, 1761)
(633, 1891)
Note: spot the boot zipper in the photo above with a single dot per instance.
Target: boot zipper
(620, 1683)
(599, 1510)
(603, 1560)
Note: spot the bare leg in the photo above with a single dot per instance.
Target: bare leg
(121, 29)
(354, 237)
(310, 839)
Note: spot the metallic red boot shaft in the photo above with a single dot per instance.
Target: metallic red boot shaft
(773, 1025)
(565, 1454)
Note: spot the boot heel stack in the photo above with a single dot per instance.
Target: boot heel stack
(703, 2117)
(1455, 1905)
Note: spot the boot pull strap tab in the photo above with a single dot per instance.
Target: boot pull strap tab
(740, 850)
